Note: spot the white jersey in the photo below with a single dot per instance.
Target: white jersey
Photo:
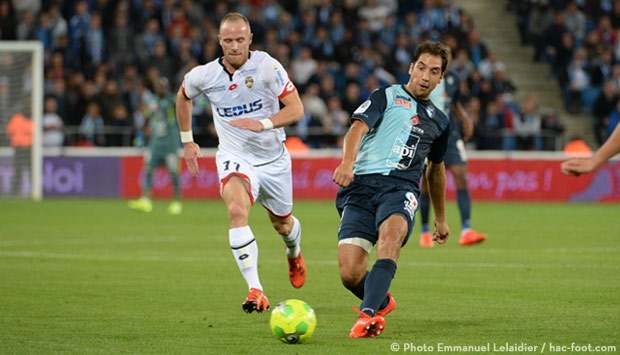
(253, 91)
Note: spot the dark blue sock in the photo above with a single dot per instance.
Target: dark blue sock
(425, 206)
(358, 290)
(464, 201)
(377, 285)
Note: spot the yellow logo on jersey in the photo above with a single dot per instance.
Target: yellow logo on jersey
(249, 82)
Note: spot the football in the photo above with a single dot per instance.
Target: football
(292, 321)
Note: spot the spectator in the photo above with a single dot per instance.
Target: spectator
(527, 125)
(489, 128)
(26, 27)
(336, 123)
(91, 130)
(604, 104)
(614, 120)
(53, 127)
(578, 81)
(461, 65)
(8, 21)
(575, 21)
(352, 99)
(477, 49)
(540, 18)
(95, 42)
(304, 67)
(120, 127)
(552, 128)
(375, 15)
(120, 42)
(489, 65)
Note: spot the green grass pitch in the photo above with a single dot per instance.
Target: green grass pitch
(90, 276)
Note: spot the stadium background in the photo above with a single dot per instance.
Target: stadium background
(78, 72)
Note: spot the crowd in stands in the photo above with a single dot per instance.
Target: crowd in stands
(580, 40)
(101, 56)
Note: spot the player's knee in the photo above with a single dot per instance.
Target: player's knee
(237, 212)
(282, 226)
(351, 274)
(350, 278)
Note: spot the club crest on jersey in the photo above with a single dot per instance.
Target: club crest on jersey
(249, 82)
(430, 110)
(415, 120)
(411, 204)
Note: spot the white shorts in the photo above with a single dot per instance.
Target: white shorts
(271, 184)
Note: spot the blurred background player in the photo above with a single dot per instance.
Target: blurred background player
(164, 144)
(446, 98)
(245, 89)
(20, 131)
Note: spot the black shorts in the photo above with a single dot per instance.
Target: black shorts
(371, 199)
(455, 153)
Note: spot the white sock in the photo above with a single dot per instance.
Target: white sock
(293, 240)
(245, 251)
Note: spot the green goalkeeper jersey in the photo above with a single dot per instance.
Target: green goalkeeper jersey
(160, 111)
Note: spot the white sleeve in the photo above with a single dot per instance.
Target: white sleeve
(277, 77)
(191, 83)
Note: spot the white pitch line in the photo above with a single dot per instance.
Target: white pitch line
(156, 258)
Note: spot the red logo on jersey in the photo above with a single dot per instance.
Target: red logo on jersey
(232, 87)
(415, 120)
(402, 102)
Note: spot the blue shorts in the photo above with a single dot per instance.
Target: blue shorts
(455, 153)
(368, 201)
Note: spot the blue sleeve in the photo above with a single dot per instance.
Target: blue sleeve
(439, 146)
(372, 109)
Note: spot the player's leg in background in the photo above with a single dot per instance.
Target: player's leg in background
(463, 198)
(426, 238)
(173, 166)
(144, 203)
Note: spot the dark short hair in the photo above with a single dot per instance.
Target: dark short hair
(433, 48)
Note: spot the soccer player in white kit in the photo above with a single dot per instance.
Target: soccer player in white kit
(245, 89)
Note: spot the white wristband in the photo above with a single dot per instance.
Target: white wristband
(187, 137)
(267, 124)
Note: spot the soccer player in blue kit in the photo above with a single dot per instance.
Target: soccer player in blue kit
(446, 97)
(383, 155)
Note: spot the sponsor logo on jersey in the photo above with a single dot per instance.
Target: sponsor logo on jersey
(279, 74)
(235, 111)
(214, 89)
(402, 102)
(363, 107)
(232, 87)
(411, 204)
(249, 82)
(415, 120)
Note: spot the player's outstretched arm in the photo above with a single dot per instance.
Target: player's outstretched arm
(191, 150)
(436, 180)
(463, 117)
(578, 166)
(343, 175)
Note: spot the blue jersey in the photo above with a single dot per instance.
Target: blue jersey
(445, 95)
(403, 132)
